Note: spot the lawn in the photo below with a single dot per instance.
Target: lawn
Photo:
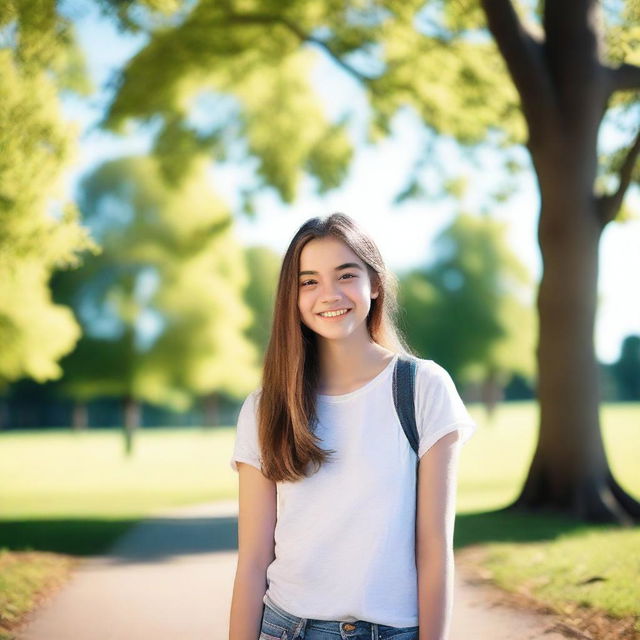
(71, 494)
(577, 569)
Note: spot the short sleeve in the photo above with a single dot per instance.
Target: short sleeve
(439, 408)
(247, 447)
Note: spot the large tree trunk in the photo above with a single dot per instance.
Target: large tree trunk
(564, 88)
(570, 472)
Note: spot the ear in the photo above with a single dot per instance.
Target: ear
(375, 286)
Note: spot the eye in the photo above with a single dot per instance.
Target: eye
(304, 283)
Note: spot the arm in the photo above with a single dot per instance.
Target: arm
(256, 525)
(435, 520)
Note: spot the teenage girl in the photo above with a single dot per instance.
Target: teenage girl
(338, 537)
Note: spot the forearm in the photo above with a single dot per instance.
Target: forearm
(249, 588)
(435, 595)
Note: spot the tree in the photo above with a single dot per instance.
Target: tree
(466, 308)
(264, 266)
(39, 231)
(566, 84)
(162, 305)
(438, 59)
(626, 371)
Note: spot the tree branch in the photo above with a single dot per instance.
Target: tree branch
(265, 18)
(524, 57)
(608, 205)
(624, 77)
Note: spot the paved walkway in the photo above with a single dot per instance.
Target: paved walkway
(171, 577)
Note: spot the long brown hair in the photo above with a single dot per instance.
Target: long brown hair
(286, 407)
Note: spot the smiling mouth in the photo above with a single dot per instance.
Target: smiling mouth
(333, 317)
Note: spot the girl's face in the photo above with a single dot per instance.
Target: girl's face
(332, 278)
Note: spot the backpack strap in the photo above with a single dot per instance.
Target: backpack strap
(404, 378)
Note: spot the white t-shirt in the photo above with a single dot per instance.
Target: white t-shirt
(345, 536)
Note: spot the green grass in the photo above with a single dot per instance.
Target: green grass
(585, 568)
(62, 474)
(495, 462)
(24, 579)
(555, 559)
(74, 493)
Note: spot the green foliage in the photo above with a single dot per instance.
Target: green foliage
(285, 128)
(626, 370)
(254, 58)
(435, 57)
(263, 265)
(621, 31)
(255, 53)
(39, 232)
(467, 309)
(607, 181)
(162, 305)
(458, 86)
(259, 63)
(133, 14)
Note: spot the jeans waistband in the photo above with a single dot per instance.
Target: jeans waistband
(289, 616)
(298, 625)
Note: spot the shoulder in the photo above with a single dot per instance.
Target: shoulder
(430, 372)
(249, 404)
(433, 383)
(254, 395)
(439, 407)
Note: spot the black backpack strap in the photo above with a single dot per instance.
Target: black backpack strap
(404, 378)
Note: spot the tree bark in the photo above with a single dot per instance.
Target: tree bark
(569, 473)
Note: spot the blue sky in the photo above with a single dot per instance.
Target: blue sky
(404, 233)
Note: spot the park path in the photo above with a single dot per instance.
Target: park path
(172, 577)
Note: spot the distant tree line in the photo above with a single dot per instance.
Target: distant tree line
(468, 307)
(30, 405)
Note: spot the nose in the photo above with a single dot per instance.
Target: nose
(330, 298)
(329, 293)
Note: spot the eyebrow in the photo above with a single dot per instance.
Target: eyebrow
(346, 265)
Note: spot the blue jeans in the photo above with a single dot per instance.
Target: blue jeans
(277, 624)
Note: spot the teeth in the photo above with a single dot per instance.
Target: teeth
(332, 314)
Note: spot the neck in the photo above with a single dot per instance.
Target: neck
(342, 362)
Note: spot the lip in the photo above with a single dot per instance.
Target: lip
(334, 317)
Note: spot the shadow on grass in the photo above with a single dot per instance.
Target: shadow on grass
(157, 538)
(151, 540)
(80, 537)
(161, 538)
(500, 526)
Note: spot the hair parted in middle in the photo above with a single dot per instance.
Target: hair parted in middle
(286, 404)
